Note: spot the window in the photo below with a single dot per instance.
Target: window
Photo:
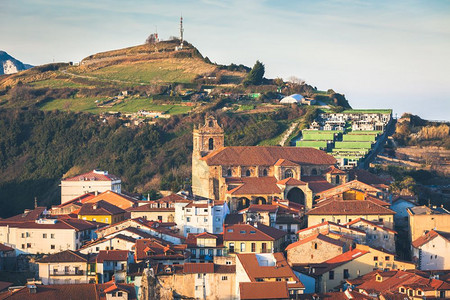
(199, 275)
(331, 275)
(380, 220)
(387, 258)
(313, 172)
(228, 262)
(44, 235)
(375, 258)
(229, 230)
(419, 293)
(119, 294)
(402, 290)
(205, 210)
(386, 237)
(28, 234)
(97, 248)
(217, 219)
(288, 173)
(219, 252)
(28, 245)
(323, 220)
(23, 235)
(211, 144)
(346, 274)
(339, 221)
(278, 279)
(188, 219)
(224, 277)
(247, 173)
(52, 236)
(265, 172)
(52, 247)
(242, 231)
(231, 246)
(23, 246)
(194, 251)
(229, 173)
(114, 294)
(252, 231)
(205, 219)
(242, 247)
(410, 293)
(349, 220)
(66, 269)
(315, 246)
(337, 180)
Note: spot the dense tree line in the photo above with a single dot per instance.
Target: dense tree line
(38, 148)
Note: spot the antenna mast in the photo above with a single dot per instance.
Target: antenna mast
(181, 32)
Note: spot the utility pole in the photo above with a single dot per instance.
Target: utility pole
(181, 32)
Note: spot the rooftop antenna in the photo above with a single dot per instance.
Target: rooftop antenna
(35, 202)
(181, 32)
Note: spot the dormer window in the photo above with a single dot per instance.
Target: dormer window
(247, 173)
(265, 172)
(288, 173)
(229, 173)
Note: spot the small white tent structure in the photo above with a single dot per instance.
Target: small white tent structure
(294, 98)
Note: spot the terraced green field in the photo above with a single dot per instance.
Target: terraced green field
(353, 145)
(128, 106)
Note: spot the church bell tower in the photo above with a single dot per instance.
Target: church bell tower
(208, 137)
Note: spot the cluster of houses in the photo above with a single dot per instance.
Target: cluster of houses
(360, 120)
(259, 223)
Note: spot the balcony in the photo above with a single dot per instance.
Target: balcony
(68, 273)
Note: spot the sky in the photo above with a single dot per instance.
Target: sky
(379, 54)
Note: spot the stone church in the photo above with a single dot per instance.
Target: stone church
(242, 175)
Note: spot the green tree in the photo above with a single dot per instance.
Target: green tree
(255, 76)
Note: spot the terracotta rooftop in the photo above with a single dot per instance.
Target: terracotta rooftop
(4, 285)
(154, 249)
(268, 266)
(61, 223)
(254, 185)
(267, 156)
(247, 232)
(350, 207)
(231, 219)
(391, 281)
(317, 236)
(264, 290)
(291, 181)
(28, 215)
(317, 183)
(112, 255)
(335, 171)
(425, 210)
(370, 223)
(329, 226)
(4, 248)
(64, 256)
(149, 208)
(93, 176)
(347, 295)
(121, 200)
(194, 268)
(285, 163)
(254, 208)
(430, 235)
(55, 292)
(100, 208)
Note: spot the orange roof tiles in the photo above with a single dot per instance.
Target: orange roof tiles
(264, 290)
(285, 163)
(315, 237)
(335, 171)
(317, 183)
(347, 256)
(254, 185)
(194, 268)
(370, 223)
(120, 200)
(425, 238)
(291, 181)
(350, 207)
(112, 255)
(267, 156)
(100, 208)
(260, 208)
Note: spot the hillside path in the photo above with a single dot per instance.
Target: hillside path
(287, 133)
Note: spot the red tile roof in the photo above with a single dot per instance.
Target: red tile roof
(254, 185)
(264, 290)
(93, 176)
(55, 292)
(347, 256)
(267, 156)
(28, 215)
(280, 268)
(370, 223)
(335, 171)
(285, 163)
(112, 255)
(317, 183)
(64, 256)
(154, 249)
(317, 236)
(247, 232)
(194, 268)
(4, 285)
(291, 181)
(100, 208)
(347, 295)
(254, 208)
(425, 238)
(62, 223)
(367, 177)
(4, 248)
(328, 225)
(350, 207)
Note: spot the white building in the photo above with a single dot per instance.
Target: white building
(432, 250)
(294, 98)
(46, 235)
(201, 216)
(94, 181)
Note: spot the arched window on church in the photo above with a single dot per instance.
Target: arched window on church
(211, 144)
(313, 172)
(229, 172)
(211, 124)
(288, 173)
(265, 172)
(247, 173)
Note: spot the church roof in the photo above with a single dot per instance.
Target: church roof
(255, 185)
(267, 156)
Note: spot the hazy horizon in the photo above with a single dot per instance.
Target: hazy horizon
(379, 54)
